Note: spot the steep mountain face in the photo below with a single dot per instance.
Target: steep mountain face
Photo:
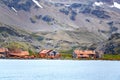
(82, 22)
(57, 14)
(112, 45)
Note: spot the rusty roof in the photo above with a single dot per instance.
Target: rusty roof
(85, 52)
(22, 53)
(45, 51)
(3, 50)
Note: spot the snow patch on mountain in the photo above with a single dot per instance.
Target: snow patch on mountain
(14, 9)
(98, 4)
(37, 3)
(116, 5)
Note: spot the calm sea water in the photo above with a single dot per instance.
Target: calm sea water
(59, 70)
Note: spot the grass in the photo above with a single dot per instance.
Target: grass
(111, 57)
(66, 54)
(19, 45)
(67, 51)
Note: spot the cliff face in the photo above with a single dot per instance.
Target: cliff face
(59, 23)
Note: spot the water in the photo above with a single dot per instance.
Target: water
(59, 70)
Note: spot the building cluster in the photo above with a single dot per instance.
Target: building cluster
(47, 54)
(18, 53)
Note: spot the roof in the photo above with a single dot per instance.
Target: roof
(3, 49)
(45, 51)
(15, 50)
(85, 52)
(22, 53)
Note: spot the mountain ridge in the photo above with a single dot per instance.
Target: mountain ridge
(81, 22)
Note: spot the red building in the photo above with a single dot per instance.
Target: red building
(51, 54)
(18, 53)
(84, 54)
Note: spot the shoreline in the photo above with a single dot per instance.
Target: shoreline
(65, 59)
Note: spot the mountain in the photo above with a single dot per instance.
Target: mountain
(10, 35)
(60, 24)
(111, 45)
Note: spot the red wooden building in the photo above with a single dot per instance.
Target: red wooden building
(51, 54)
(84, 54)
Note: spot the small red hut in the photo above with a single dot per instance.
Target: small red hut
(84, 54)
(51, 54)
(18, 53)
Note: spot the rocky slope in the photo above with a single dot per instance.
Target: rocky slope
(112, 45)
(60, 24)
(10, 35)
